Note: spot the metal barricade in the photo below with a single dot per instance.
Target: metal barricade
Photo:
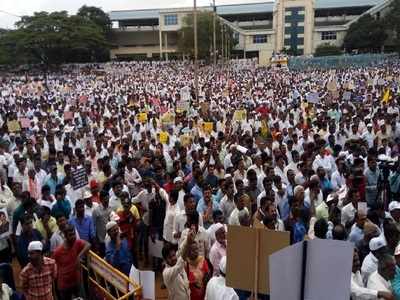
(107, 283)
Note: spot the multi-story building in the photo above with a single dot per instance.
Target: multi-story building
(260, 28)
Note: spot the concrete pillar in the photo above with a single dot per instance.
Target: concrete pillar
(161, 48)
(166, 46)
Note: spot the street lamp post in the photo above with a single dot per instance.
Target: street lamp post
(214, 35)
(196, 75)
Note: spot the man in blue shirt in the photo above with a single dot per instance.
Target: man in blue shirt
(83, 224)
(62, 205)
(207, 205)
(118, 253)
(54, 179)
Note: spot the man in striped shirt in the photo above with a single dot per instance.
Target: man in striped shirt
(38, 275)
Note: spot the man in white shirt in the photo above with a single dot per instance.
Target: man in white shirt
(380, 279)
(358, 289)
(174, 274)
(216, 287)
(370, 264)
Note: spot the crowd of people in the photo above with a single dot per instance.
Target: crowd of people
(112, 157)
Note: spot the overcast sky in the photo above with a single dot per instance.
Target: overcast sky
(28, 7)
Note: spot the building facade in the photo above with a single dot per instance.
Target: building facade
(297, 26)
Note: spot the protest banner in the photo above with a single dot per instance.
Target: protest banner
(185, 94)
(245, 268)
(164, 137)
(68, 115)
(83, 99)
(185, 140)
(313, 97)
(79, 178)
(306, 264)
(167, 119)
(182, 106)
(347, 96)
(208, 127)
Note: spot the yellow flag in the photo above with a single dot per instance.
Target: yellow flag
(386, 97)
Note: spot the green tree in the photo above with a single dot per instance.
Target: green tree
(97, 16)
(204, 36)
(365, 35)
(392, 23)
(53, 38)
(327, 50)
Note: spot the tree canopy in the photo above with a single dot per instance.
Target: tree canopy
(53, 38)
(365, 35)
(204, 35)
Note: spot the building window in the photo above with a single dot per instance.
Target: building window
(328, 35)
(170, 20)
(260, 39)
(236, 36)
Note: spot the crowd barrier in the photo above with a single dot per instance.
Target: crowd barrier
(339, 61)
(107, 283)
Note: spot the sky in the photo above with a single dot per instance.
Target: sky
(27, 7)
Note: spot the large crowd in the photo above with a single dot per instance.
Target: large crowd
(115, 157)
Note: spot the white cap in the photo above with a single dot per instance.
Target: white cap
(394, 205)
(397, 250)
(178, 179)
(376, 243)
(35, 246)
(110, 225)
(222, 265)
(87, 194)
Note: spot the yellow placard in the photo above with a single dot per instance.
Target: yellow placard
(164, 137)
(240, 115)
(208, 126)
(142, 117)
(13, 126)
(185, 140)
(167, 119)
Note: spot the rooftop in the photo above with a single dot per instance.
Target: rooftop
(231, 9)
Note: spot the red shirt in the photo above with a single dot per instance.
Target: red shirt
(66, 260)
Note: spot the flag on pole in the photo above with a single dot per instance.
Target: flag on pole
(386, 96)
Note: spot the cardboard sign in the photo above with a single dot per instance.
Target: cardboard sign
(68, 115)
(208, 126)
(13, 126)
(79, 178)
(240, 115)
(306, 263)
(332, 85)
(145, 279)
(25, 122)
(142, 117)
(242, 260)
(164, 137)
